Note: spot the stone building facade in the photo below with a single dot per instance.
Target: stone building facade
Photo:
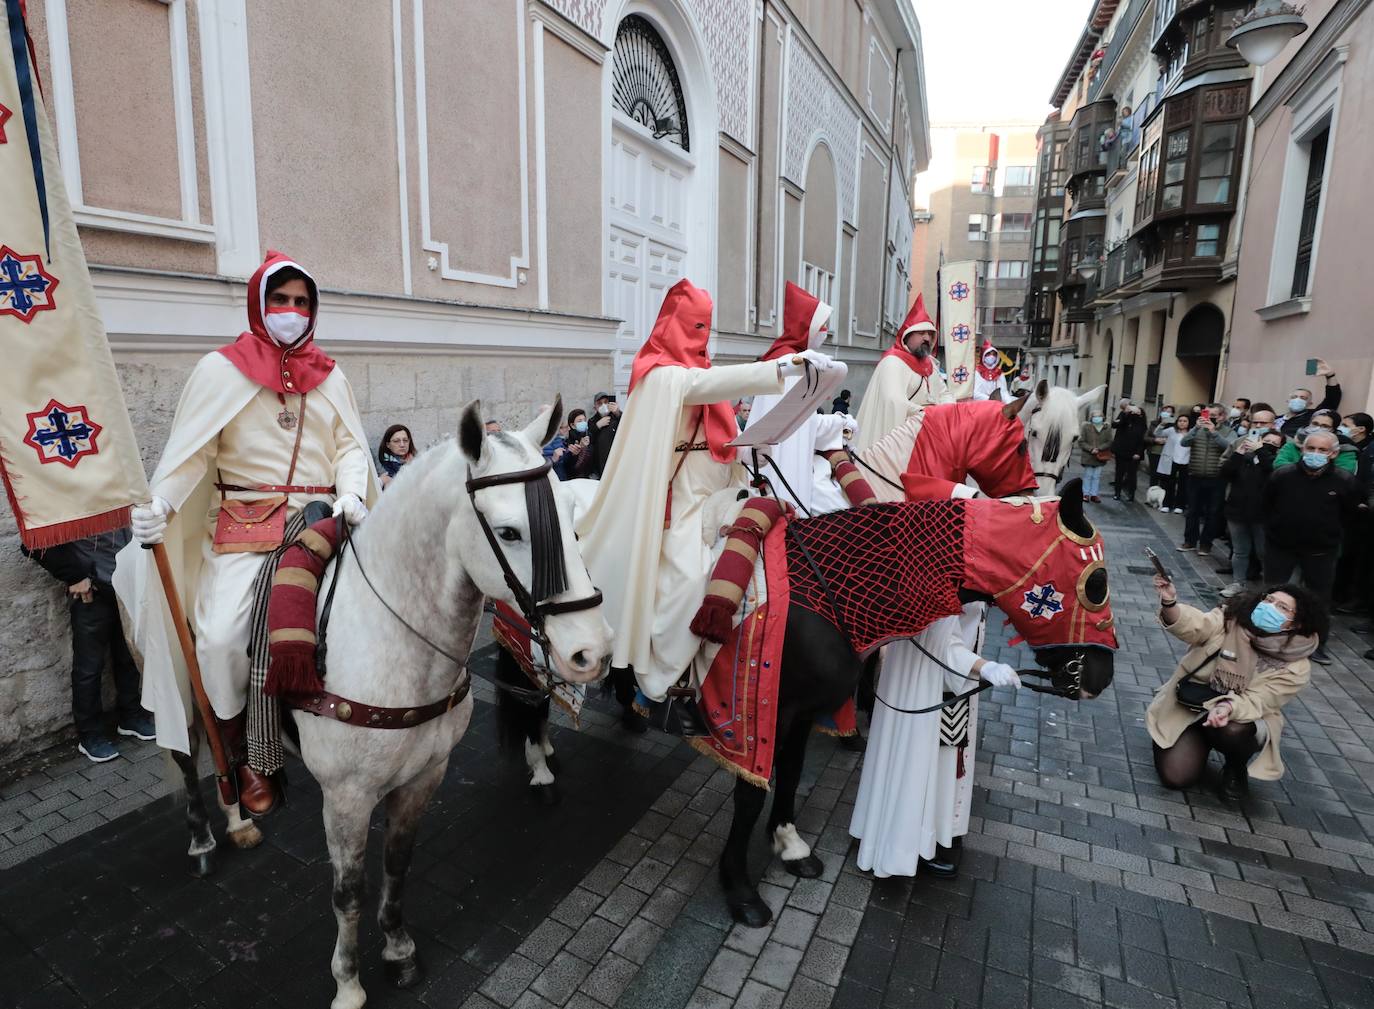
(493, 196)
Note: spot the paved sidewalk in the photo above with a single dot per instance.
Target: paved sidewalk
(1084, 883)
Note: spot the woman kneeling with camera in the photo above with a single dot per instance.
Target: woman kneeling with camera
(1245, 662)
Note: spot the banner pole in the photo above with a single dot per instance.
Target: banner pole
(228, 788)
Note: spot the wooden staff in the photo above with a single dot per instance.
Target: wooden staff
(228, 787)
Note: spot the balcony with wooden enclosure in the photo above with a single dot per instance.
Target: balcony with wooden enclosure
(1086, 153)
(1190, 166)
(1190, 36)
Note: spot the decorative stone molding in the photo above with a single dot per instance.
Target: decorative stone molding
(816, 110)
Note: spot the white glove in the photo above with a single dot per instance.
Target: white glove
(787, 369)
(150, 521)
(999, 674)
(351, 507)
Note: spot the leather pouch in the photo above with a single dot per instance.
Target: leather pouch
(250, 527)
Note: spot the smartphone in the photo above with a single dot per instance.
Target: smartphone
(1205, 415)
(1311, 366)
(1159, 568)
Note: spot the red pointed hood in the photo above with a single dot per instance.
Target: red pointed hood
(804, 318)
(916, 321)
(295, 369)
(990, 372)
(679, 340)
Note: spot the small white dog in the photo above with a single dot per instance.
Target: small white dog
(1154, 497)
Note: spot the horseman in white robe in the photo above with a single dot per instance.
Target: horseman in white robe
(267, 416)
(989, 379)
(904, 381)
(642, 533)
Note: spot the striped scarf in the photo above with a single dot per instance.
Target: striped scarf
(731, 574)
(291, 612)
(265, 753)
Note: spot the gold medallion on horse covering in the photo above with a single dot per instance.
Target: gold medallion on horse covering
(344, 711)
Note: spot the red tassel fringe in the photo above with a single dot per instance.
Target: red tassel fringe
(714, 620)
(292, 670)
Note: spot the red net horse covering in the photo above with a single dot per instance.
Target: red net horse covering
(892, 569)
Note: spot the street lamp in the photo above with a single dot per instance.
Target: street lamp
(1261, 33)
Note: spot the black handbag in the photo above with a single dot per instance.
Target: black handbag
(1193, 694)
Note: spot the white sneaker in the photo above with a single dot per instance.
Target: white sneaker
(1164, 509)
(1178, 511)
(1234, 589)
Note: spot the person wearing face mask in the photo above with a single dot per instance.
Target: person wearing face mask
(1094, 451)
(1207, 443)
(1163, 424)
(1128, 446)
(1246, 470)
(1347, 458)
(1238, 415)
(1307, 507)
(1300, 405)
(1245, 661)
(604, 424)
(578, 458)
(267, 418)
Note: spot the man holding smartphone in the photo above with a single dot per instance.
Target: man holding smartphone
(1300, 408)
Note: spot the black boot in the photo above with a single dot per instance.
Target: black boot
(1235, 782)
(945, 864)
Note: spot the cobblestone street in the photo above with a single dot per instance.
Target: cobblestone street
(1083, 882)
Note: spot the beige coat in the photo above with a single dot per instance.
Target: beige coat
(1262, 700)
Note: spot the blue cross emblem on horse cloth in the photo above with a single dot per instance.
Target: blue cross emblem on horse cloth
(1043, 601)
(25, 287)
(62, 433)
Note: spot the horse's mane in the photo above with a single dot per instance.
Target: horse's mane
(1056, 418)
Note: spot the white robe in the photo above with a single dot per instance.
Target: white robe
(894, 393)
(984, 389)
(653, 579)
(227, 422)
(909, 797)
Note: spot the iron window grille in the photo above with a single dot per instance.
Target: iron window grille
(644, 82)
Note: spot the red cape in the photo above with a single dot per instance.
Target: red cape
(295, 369)
(679, 340)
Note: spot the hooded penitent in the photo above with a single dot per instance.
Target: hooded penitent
(295, 367)
(236, 424)
(989, 362)
(902, 383)
(642, 533)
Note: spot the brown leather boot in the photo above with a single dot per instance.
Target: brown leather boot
(257, 792)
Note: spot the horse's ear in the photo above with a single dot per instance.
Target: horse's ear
(1013, 409)
(1042, 390)
(545, 426)
(472, 432)
(1071, 509)
(1091, 396)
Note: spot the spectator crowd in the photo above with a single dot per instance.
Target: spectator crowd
(1274, 494)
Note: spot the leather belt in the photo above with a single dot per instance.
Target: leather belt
(283, 488)
(369, 716)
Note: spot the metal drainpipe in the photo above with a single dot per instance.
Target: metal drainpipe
(758, 174)
(887, 199)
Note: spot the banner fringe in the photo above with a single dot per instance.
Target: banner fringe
(706, 747)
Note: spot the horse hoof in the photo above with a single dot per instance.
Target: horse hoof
(202, 864)
(751, 912)
(403, 973)
(246, 837)
(546, 795)
(809, 867)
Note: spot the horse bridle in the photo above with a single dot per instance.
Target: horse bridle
(534, 611)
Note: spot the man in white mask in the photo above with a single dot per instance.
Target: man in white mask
(268, 417)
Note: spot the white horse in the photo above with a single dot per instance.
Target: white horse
(1051, 419)
(411, 588)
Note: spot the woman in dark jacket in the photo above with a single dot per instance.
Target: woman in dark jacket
(1128, 445)
(397, 449)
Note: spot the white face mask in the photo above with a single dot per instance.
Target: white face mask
(286, 327)
(604, 410)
